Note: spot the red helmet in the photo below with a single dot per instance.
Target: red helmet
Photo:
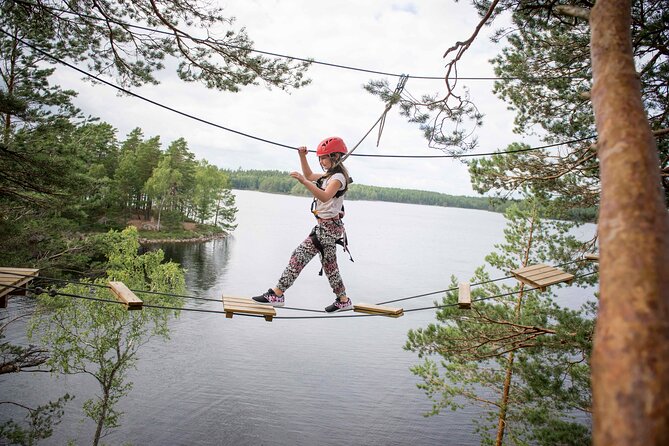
(331, 145)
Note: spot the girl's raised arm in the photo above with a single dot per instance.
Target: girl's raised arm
(306, 169)
(323, 195)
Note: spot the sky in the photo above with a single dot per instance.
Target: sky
(389, 36)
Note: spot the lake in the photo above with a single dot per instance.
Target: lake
(325, 381)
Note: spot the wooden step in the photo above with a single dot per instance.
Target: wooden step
(541, 276)
(10, 278)
(378, 309)
(126, 296)
(593, 257)
(464, 296)
(242, 305)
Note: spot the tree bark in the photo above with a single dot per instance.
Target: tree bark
(630, 361)
(501, 419)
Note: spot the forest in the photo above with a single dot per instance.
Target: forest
(593, 75)
(273, 181)
(65, 181)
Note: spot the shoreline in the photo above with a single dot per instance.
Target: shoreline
(199, 239)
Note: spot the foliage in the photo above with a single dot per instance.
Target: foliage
(103, 183)
(17, 358)
(520, 340)
(39, 423)
(212, 186)
(164, 181)
(125, 39)
(443, 124)
(103, 340)
(545, 77)
(58, 169)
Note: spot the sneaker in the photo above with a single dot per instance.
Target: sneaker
(269, 298)
(339, 306)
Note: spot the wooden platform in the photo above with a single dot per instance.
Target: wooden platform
(123, 293)
(14, 277)
(241, 305)
(541, 276)
(593, 257)
(378, 309)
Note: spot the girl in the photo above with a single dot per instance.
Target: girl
(329, 200)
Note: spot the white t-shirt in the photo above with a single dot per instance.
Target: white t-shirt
(332, 207)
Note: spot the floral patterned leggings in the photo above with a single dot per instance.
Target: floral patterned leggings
(327, 232)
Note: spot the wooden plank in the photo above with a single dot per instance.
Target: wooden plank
(10, 278)
(564, 277)
(378, 309)
(7, 287)
(250, 307)
(240, 305)
(529, 282)
(594, 257)
(547, 275)
(540, 276)
(550, 278)
(464, 296)
(362, 310)
(231, 310)
(540, 273)
(530, 268)
(243, 301)
(15, 277)
(126, 296)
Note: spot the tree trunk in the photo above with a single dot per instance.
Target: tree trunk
(218, 209)
(10, 78)
(630, 360)
(501, 421)
(102, 418)
(147, 208)
(160, 210)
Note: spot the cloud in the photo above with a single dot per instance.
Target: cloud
(395, 37)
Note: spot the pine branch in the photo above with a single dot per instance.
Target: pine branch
(573, 11)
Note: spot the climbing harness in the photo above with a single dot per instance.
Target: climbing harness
(343, 240)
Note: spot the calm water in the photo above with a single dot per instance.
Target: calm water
(329, 381)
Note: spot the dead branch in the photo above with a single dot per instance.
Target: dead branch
(573, 11)
(31, 356)
(462, 47)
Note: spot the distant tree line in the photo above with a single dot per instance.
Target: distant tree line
(275, 181)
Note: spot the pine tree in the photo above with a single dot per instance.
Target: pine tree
(521, 355)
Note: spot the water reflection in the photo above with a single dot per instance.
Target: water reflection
(205, 263)
(299, 382)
